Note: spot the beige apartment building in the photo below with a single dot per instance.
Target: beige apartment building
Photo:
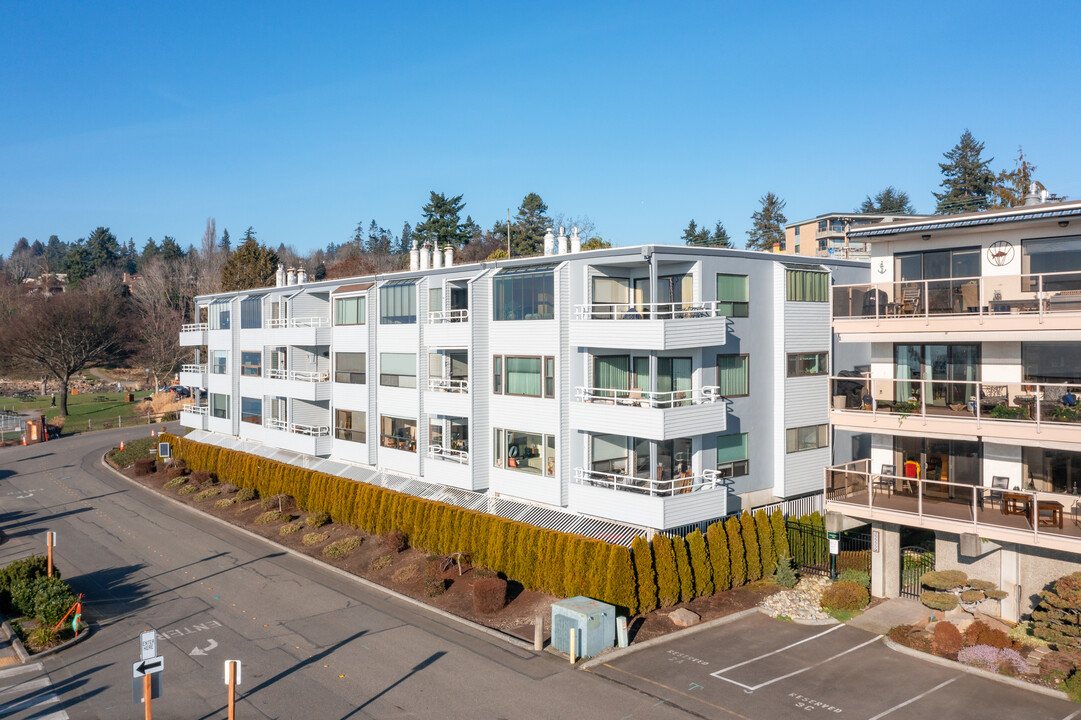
(824, 235)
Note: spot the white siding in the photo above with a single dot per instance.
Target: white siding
(805, 401)
(803, 471)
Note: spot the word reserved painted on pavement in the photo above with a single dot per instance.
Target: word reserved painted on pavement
(805, 703)
(679, 658)
(194, 628)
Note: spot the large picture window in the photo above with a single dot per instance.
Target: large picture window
(732, 295)
(351, 368)
(398, 370)
(251, 313)
(350, 425)
(733, 375)
(349, 311)
(809, 437)
(532, 453)
(732, 455)
(523, 376)
(219, 406)
(398, 433)
(251, 364)
(251, 410)
(527, 294)
(801, 364)
(398, 304)
(219, 362)
(1052, 255)
(218, 315)
(1051, 362)
(806, 285)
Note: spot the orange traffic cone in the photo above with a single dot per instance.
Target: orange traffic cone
(24, 438)
(121, 444)
(151, 432)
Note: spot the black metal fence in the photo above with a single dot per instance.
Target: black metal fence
(808, 544)
(915, 561)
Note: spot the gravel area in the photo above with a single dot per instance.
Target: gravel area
(803, 602)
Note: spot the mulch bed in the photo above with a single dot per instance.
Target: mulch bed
(404, 572)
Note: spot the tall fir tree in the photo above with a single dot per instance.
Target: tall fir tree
(529, 227)
(750, 547)
(768, 223)
(683, 568)
(700, 565)
(102, 249)
(967, 182)
(765, 542)
(442, 224)
(252, 265)
(693, 235)
(889, 201)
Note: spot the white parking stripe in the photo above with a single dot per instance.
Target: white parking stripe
(35, 684)
(1072, 715)
(58, 715)
(718, 673)
(884, 713)
(28, 703)
(19, 670)
(752, 688)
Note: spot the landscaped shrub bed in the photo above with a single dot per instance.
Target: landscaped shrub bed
(39, 601)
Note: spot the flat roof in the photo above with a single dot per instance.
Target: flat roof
(1024, 213)
(826, 216)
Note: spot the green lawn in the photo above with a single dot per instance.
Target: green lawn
(95, 409)
(132, 451)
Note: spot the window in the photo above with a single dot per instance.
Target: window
(219, 315)
(398, 304)
(251, 313)
(1052, 255)
(398, 433)
(732, 295)
(810, 437)
(532, 453)
(497, 374)
(219, 406)
(1057, 471)
(398, 370)
(219, 362)
(351, 368)
(251, 410)
(816, 363)
(549, 377)
(806, 285)
(732, 457)
(435, 299)
(733, 375)
(523, 295)
(797, 231)
(350, 425)
(523, 376)
(350, 311)
(251, 364)
(1051, 362)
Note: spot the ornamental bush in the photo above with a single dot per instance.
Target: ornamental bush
(943, 579)
(52, 598)
(736, 551)
(664, 558)
(720, 564)
(764, 531)
(683, 568)
(340, 548)
(28, 569)
(980, 633)
(1005, 660)
(1056, 619)
(946, 641)
(751, 552)
(856, 576)
(317, 520)
(395, 541)
(489, 595)
(144, 466)
(943, 601)
(780, 534)
(785, 576)
(700, 564)
(644, 574)
(845, 595)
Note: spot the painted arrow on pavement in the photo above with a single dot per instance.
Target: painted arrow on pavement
(210, 646)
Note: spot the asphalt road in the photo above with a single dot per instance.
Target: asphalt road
(312, 644)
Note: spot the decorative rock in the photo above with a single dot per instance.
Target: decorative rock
(803, 601)
(684, 617)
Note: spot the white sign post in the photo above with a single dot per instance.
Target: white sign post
(148, 644)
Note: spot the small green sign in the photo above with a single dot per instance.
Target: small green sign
(833, 536)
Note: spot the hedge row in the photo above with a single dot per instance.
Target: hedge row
(662, 573)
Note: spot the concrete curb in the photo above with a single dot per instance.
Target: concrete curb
(800, 621)
(677, 635)
(497, 634)
(979, 672)
(16, 643)
(83, 635)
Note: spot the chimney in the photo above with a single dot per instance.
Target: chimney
(279, 276)
(562, 240)
(302, 276)
(1033, 197)
(425, 256)
(437, 257)
(414, 257)
(291, 276)
(576, 242)
(449, 253)
(549, 243)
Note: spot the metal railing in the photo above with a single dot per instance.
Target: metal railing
(301, 322)
(436, 317)
(297, 428)
(707, 480)
(445, 453)
(644, 398)
(193, 368)
(648, 311)
(195, 409)
(454, 385)
(1027, 511)
(309, 376)
(1025, 402)
(1037, 294)
(194, 327)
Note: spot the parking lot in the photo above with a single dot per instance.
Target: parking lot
(758, 669)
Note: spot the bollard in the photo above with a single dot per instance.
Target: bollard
(538, 633)
(621, 631)
(573, 650)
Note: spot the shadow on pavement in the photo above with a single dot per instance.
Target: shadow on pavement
(416, 668)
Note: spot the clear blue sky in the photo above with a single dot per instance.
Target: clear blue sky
(302, 118)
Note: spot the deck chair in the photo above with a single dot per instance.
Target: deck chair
(999, 483)
(910, 300)
(886, 478)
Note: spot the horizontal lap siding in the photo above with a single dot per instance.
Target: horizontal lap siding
(803, 471)
(806, 401)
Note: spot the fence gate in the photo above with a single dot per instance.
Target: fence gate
(915, 561)
(808, 544)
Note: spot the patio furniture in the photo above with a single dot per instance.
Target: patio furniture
(886, 478)
(991, 396)
(998, 484)
(1049, 514)
(910, 300)
(1016, 504)
(912, 472)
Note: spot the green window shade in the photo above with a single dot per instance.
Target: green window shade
(806, 286)
(731, 448)
(732, 375)
(349, 311)
(611, 372)
(524, 376)
(641, 373)
(732, 295)
(673, 374)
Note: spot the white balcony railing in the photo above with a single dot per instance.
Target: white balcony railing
(194, 327)
(683, 485)
(195, 409)
(309, 376)
(193, 369)
(1038, 294)
(648, 311)
(297, 428)
(453, 385)
(445, 453)
(302, 322)
(436, 317)
(644, 398)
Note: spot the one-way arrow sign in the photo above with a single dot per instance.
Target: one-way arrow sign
(148, 666)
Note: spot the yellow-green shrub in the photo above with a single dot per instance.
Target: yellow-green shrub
(700, 565)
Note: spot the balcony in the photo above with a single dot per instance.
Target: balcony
(1016, 412)
(449, 454)
(656, 416)
(193, 375)
(193, 334)
(301, 438)
(648, 326)
(194, 416)
(659, 504)
(451, 385)
(306, 331)
(976, 308)
(448, 328)
(1001, 515)
(450, 467)
(300, 384)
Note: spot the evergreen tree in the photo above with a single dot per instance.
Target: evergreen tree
(765, 542)
(77, 263)
(380, 240)
(406, 240)
(225, 244)
(103, 249)
(55, 252)
(780, 534)
(619, 589)
(736, 551)
(751, 551)
(170, 249)
(37, 249)
(530, 225)
(442, 224)
(693, 235)
(719, 561)
(21, 245)
(251, 266)
(720, 237)
(664, 560)
(887, 202)
(645, 575)
(683, 567)
(129, 258)
(1011, 186)
(767, 223)
(596, 243)
(150, 251)
(968, 182)
(700, 565)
